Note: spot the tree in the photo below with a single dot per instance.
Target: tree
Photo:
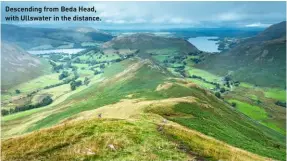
(4, 112)
(217, 94)
(279, 103)
(46, 101)
(233, 104)
(86, 81)
(102, 66)
(78, 83)
(77, 60)
(17, 91)
(63, 75)
(97, 72)
(222, 90)
(73, 85)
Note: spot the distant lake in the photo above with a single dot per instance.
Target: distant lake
(66, 51)
(205, 44)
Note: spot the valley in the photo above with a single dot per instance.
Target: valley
(146, 96)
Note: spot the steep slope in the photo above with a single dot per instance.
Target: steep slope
(153, 92)
(19, 66)
(254, 59)
(46, 38)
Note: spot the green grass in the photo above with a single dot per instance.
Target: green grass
(217, 120)
(164, 51)
(222, 123)
(176, 65)
(204, 74)
(253, 97)
(90, 140)
(37, 83)
(277, 94)
(202, 83)
(159, 58)
(21, 115)
(142, 84)
(246, 85)
(254, 112)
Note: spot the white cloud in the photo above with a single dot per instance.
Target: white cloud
(258, 24)
(207, 14)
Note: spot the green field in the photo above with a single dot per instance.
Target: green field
(277, 94)
(204, 74)
(254, 112)
(202, 83)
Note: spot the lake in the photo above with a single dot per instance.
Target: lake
(66, 51)
(204, 43)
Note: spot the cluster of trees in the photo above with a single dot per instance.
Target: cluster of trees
(94, 49)
(44, 102)
(55, 57)
(175, 59)
(56, 67)
(63, 75)
(280, 103)
(65, 81)
(86, 81)
(17, 91)
(181, 71)
(75, 84)
(194, 53)
(227, 81)
(217, 94)
(206, 81)
(96, 72)
(196, 60)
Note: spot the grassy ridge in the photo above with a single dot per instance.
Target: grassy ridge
(103, 139)
(92, 140)
(225, 124)
(211, 116)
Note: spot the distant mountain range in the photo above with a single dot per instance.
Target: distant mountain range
(48, 38)
(260, 60)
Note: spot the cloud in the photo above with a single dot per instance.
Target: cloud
(258, 24)
(198, 14)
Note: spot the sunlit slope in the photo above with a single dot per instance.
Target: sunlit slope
(140, 84)
(139, 138)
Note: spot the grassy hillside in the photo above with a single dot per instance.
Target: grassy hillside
(154, 105)
(103, 139)
(18, 66)
(144, 42)
(155, 92)
(254, 59)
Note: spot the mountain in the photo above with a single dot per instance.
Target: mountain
(145, 42)
(143, 109)
(139, 97)
(48, 38)
(18, 66)
(254, 59)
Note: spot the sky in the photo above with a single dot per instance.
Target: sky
(144, 15)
